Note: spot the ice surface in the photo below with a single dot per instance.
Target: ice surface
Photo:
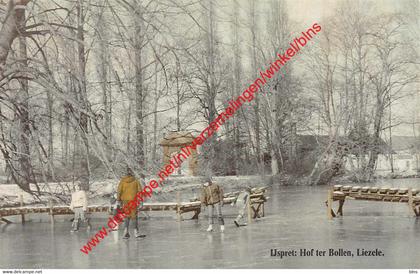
(295, 218)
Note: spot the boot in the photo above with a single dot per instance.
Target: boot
(89, 226)
(210, 228)
(236, 223)
(222, 228)
(126, 234)
(75, 226)
(137, 234)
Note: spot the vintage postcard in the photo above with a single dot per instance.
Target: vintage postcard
(209, 134)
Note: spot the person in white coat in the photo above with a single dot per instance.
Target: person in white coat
(78, 205)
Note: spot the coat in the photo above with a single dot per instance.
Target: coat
(128, 188)
(211, 194)
(242, 199)
(127, 191)
(79, 199)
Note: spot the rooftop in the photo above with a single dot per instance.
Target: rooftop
(177, 138)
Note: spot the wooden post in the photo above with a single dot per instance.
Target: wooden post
(249, 209)
(50, 204)
(21, 205)
(410, 199)
(340, 207)
(263, 209)
(196, 213)
(329, 204)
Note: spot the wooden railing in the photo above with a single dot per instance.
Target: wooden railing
(256, 207)
(341, 193)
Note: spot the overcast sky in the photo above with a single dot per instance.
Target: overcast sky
(305, 12)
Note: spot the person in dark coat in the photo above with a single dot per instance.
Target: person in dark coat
(212, 197)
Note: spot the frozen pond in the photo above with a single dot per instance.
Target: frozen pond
(295, 219)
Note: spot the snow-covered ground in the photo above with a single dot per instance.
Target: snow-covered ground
(10, 193)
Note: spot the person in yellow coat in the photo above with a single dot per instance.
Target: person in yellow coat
(127, 191)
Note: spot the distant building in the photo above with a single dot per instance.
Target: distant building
(305, 151)
(172, 144)
(405, 157)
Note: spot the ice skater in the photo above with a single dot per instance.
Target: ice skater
(212, 197)
(78, 205)
(242, 204)
(127, 191)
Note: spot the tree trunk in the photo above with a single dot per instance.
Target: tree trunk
(254, 31)
(15, 18)
(26, 168)
(211, 94)
(236, 85)
(139, 96)
(50, 104)
(103, 69)
(377, 127)
(82, 98)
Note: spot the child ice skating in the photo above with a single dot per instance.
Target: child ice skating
(78, 205)
(242, 204)
(212, 197)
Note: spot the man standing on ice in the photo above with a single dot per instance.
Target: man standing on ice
(212, 197)
(127, 191)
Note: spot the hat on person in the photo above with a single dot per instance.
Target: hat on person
(129, 171)
(77, 184)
